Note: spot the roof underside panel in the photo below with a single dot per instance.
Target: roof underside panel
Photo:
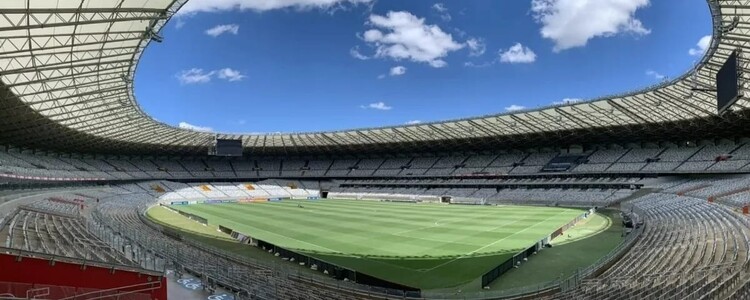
(66, 84)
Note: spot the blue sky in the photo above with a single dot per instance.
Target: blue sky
(251, 66)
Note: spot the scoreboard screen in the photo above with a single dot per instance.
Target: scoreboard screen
(727, 84)
(228, 147)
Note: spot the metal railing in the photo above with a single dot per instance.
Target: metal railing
(47, 291)
(78, 261)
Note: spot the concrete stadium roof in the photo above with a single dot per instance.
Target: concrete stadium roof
(67, 70)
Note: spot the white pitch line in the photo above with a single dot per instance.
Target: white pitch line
(517, 232)
(434, 240)
(500, 240)
(437, 223)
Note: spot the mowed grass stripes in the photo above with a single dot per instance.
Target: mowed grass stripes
(364, 228)
(420, 245)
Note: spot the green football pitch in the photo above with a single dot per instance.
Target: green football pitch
(425, 246)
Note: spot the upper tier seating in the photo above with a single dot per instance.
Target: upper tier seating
(676, 154)
(343, 164)
(640, 155)
(606, 156)
(721, 158)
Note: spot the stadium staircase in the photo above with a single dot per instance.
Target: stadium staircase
(433, 164)
(727, 194)
(515, 163)
(114, 167)
(692, 189)
(231, 167)
(655, 156)
(380, 165)
(84, 196)
(613, 162)
(406, 166)
(638, 194)
(623, 154)
(49, 212)
(691, 157)
(182, 166)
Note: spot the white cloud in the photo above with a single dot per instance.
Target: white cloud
(477, 47)
(567, 101)
(480, 65)
(398, 71)
(195, 6)
(194, 76)
(438, 63)
(222, 29)
(514, 107)
(702, 44)
(518, 54)
(186, 125)
(354, 52)
(439, 7)
(377, 105)
(655, 75)
(395, 71)
(413, 122)
(442, 11)
(460, 32)
(572, 23)
(230, 74)
(179, 23)
(402, 35)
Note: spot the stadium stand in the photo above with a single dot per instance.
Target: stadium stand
(714, 266)
(51, 228)
(80, 165)
(689, 249)
(625, 161)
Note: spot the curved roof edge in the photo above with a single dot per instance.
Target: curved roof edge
(81, 93)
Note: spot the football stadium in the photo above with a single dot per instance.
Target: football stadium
(639, 195)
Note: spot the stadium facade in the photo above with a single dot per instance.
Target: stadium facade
(69, 119)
